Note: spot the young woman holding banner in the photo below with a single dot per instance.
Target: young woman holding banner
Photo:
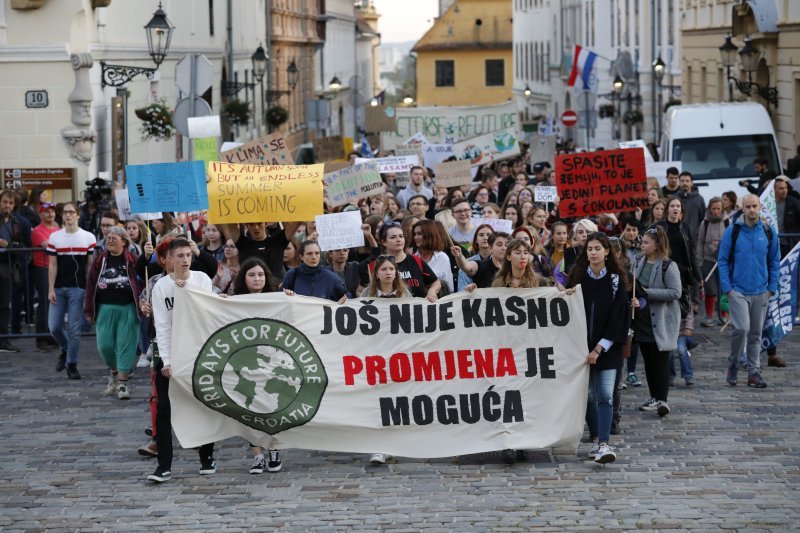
(254, 278)
(608, 316)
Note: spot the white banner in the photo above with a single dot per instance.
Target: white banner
(493, 146)
(339, 230)
(389, 165)
(471, 373)
(450, 124)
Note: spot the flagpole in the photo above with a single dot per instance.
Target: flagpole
(587, 116)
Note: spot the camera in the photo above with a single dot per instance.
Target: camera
(98, 192)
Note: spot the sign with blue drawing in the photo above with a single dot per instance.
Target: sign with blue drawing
(179, 187)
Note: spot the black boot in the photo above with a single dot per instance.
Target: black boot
(62, 362)
(72, 371)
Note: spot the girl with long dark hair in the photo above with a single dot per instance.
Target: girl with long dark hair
(607, 308)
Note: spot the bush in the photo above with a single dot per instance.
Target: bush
(156, 121)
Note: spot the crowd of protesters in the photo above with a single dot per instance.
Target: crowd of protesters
(643, 275)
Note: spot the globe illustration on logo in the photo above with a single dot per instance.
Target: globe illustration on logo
(474, 153)
(504, 141)
(262, 379)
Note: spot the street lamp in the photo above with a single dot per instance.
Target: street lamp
(408, 100)
(750, 57)
(373, 102)
(335, 84)
(619, 84)
(527, 92)
(259, 59)
(293, 74)
(159, 36)
(659, 68)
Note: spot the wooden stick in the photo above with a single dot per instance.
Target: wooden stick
(633, 310)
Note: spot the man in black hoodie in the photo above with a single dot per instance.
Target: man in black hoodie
(694, 206)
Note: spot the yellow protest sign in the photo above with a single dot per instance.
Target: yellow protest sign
(256, 193)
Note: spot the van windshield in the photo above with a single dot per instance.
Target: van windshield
(709, 158)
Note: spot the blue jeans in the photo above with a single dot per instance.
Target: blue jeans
(69, 301)
(600, 403)
(687, 372)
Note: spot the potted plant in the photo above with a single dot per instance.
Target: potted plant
(633, 117)
(277, 115)
(156, 121)
(238, 112)
(606, 111)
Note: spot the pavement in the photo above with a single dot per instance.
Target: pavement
(725, 458)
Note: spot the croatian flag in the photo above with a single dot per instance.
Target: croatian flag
(582, 63)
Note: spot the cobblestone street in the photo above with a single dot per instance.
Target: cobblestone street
(726, 458)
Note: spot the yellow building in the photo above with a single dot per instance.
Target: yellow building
(466, 57)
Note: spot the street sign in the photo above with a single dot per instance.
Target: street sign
(38, 178)
(569, 118)
(36, 99)
(183, 112)
(204, 74)
(586, 100)
(591, 116)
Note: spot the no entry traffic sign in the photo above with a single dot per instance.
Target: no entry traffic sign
(569, 118)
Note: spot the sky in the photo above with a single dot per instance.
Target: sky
(405, 20)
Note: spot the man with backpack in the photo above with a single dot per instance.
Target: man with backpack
(749, 263)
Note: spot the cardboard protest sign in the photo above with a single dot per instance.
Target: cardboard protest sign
(351, 183)
(201, 127)
(123, 202)
(497, 224)
(638, 143)
(205, 149)
(489, 370)
(329, 148)
(333, 166)
(379, 118)
(493, 146)
(391, 164)
(601, 182)
(410, 149)
(269, 150)
(450, 124)
(255, 193)
(339, 230)
(542, 148)
(453, 173)
(433, 154)
(545, 193)
(167, 187)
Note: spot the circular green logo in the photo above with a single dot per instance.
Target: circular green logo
(260, 372)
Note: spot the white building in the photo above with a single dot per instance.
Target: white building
(627, 35)
(58, 48)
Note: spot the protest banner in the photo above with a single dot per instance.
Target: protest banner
(269, 150)
(542, 148)
(608, 181)
(450, 124)
(202, 127)
(328, 148)
(123, 202)
(497, 224)
(379, 118)
(351, 183)
(494, 146)
(167, 187)
(402, 179)
(205, 149)
(769, 206)
(545, 193)
(392, 164)
(782, 307)
(339, 230)
(471, 373)
(256, 193)
(433, 154)
(453, 173)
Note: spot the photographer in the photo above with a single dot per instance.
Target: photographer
(98, 200)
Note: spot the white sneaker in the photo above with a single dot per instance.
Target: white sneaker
(662, 409)
(122, 392)
(605, 454)
(143, 362)
(649, 405)
(377, 459)
(111, 386)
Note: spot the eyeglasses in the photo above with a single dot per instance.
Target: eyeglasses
(106, 226)
(462, 211)
(113, 238)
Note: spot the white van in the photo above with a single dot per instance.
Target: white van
(718, 142)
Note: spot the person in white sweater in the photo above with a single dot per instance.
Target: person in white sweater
(163, 300)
